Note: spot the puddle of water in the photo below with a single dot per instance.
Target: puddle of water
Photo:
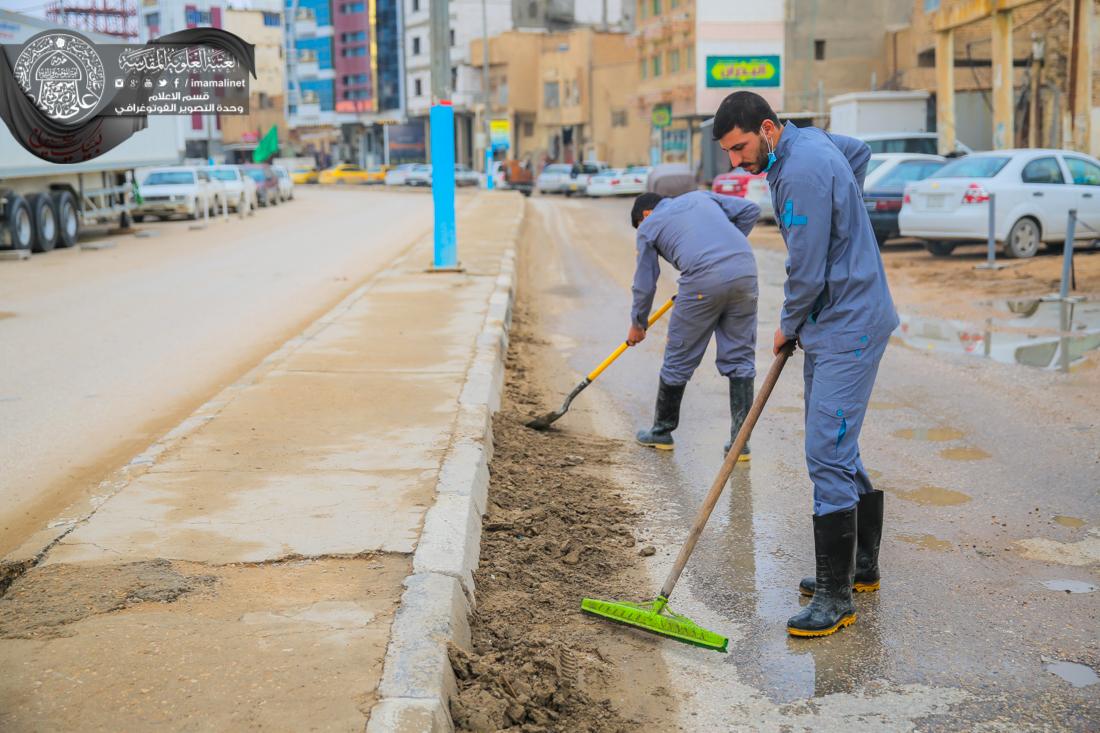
(1035, 333)
(1069, 586)
(1077, 675)
(926, 541)
(1071, 522)
(936, 435)
(934, 496)
(964, 454)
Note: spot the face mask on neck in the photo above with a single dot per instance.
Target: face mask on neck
(771, 152)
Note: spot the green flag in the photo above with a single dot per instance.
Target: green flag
(268, 146)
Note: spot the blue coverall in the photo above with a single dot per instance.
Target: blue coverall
(837, 303)
(703, 235)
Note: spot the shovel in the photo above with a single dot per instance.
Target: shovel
(544, 422)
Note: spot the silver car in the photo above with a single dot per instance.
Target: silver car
(554, 178)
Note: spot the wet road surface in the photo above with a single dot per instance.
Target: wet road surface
(988, 616)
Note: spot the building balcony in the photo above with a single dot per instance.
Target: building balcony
(308, 69)
(305, 24)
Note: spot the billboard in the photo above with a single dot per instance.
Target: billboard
(743, 71)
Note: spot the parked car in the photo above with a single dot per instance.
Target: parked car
(884, 189)
(580, 174)
(396, 176)
(1034, 190)
(908, 142)
(286, 185)
(604, 182)
(175, 191)
(553, 178)
(419, 175)
(465, 176)
(240, 190)
(671, 179)
(345, 173)
(881, 164)
(760, 194)
(304, 175)
(267, 183)
(734, 182)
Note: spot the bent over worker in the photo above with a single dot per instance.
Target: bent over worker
(703, 235)
(838, 306)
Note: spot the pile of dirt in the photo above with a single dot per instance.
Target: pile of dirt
(557, 529)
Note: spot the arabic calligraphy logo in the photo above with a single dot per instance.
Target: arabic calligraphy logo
(63, 73)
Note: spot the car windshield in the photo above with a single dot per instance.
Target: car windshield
(609, 173)
(255, 174)
(985, 166)
(224, 175)
(907, 172)
(170, 178)
(872, 164)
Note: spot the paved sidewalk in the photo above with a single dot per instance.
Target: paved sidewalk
(245, 571)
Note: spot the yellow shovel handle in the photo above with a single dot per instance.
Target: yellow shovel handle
(653, 318)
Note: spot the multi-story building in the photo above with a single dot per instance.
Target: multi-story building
(201, 134)
(465, 83)
(343, 76)
(262, 25)
(566, 96)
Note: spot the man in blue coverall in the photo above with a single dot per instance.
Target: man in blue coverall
(703, 235)
(838, 307)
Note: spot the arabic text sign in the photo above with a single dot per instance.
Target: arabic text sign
(500, 134)
(743, 71)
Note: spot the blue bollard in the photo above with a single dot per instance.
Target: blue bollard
(489, 183)
(443, 185)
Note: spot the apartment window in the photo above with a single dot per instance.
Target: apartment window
(528, 129)
(689, 54)
(348, 8)
(674, 3)
(416, 5)
(452, 38)
(673, 62)
(416, 45)
(643, 67)
(656, 66)
(454, 78)
(550, 95)
(272, 20)
(354, 51)
(351, 37)
(152, 20)
(618, 118)
(656, 7)
(819, 50)
(418, 89)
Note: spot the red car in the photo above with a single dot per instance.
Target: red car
(734, 183)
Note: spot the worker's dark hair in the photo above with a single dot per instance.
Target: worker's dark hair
(645, 202)
(744, 110)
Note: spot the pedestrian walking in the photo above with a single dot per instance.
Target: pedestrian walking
(704, 236)
(838, 307)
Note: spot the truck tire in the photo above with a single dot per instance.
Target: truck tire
(68, 218)
(18, 223)
(44, 218)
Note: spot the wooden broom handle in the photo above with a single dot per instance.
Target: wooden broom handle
(723, 476)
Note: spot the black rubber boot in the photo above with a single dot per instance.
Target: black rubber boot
(835, 548)
(741, 393)
(666, 419)
(868, 539)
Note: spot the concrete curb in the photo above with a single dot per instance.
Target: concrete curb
(417, 681)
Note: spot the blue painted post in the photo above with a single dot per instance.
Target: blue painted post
(443, 185)
(489, 168)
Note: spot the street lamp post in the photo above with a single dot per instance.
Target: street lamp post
(442, 121)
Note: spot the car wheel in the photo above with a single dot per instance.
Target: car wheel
(18, 222)
(1023, 239)
(68, 219)
(44, 217)
(880, 237)
(138, 218)
(940, 249)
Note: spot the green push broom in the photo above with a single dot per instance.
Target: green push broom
(655, 616)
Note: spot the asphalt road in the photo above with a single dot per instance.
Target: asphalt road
(101, 352)
(992, 509)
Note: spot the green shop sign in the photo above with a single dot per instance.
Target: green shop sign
(742, 71)
(661, 115)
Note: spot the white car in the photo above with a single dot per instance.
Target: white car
(907, 142)
(605, 183)
(419, 175)
(881, 164)
(240, 190)
(396, 176)
(553, 178)
(286, 186)
(580, 174)
(759, 193)
(179, 190)
(1033, 191)
(465, 176)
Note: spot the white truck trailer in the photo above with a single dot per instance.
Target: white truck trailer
(44, 205)
(865, 113)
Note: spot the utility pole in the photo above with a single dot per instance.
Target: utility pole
(1038, 47)
(442, 122)
(485, 112)
(1080, 74)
